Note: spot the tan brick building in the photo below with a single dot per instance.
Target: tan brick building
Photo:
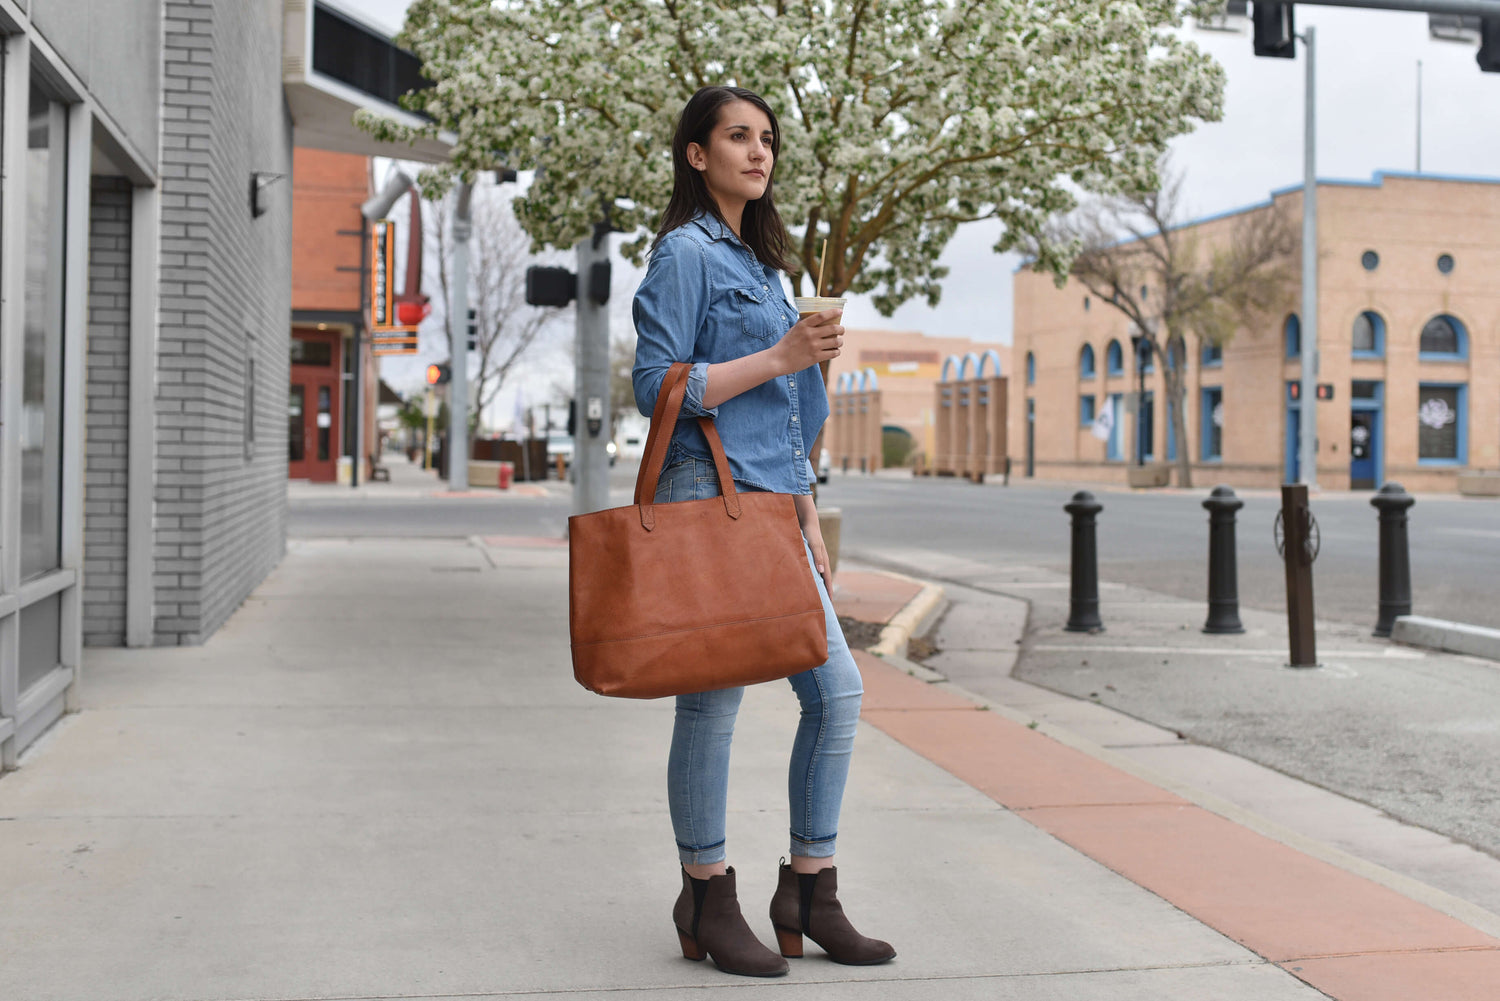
(1409, 339)
(907, 365)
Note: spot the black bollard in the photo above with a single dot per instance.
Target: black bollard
(1223, 570)
(1392, 501)
(1083, 610)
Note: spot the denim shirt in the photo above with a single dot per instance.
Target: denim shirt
(706, 299)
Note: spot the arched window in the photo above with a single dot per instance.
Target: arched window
(1086, 362)
(1030, 369)
(1444, 339)
(1292, 333)
(1114, 359)
(1367, 340)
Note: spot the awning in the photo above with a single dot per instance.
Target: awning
(336, 64)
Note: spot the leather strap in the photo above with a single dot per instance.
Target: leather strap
(663, 423)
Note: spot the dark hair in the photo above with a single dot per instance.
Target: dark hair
(761, 227)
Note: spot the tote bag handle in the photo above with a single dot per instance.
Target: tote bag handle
(663, 423)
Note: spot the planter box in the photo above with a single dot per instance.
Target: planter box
(1154, 475)
(1474, 483)
(483, 473)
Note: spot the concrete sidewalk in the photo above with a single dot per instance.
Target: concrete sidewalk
(380, 780)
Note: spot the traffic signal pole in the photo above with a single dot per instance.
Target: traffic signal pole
(458, 342)
(1307, 461)
(591, 386)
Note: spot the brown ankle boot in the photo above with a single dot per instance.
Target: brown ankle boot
(808, 904)
(708, 919)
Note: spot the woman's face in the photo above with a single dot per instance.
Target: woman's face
(736, 165)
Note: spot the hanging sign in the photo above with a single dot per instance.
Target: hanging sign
(383, 319)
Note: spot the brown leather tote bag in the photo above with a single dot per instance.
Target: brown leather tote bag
(690, 596)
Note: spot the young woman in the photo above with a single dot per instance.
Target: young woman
(712, 296)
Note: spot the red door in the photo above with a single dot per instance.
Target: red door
(313, 412)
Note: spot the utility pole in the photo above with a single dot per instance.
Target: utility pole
(1307, 463)
(458, 341)
(591, 385)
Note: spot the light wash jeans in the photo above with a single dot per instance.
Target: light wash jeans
(698, 765)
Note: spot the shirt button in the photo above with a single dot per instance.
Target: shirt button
(799, 451)
(765, 288)
(794, 418)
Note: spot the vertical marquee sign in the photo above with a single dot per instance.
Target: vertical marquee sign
(388, 337)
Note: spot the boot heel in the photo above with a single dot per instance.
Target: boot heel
(789, 941)
(690, 947)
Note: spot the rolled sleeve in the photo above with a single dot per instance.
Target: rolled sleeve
(670, 307)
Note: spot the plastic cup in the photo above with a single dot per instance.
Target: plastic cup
(809, 304)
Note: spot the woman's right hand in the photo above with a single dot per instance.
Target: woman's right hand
(815, 339)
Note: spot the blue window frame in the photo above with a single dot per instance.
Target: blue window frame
(1030, 369)
(1171, 431)
(1367, 339)
(1443, 424)
(1211, 437)
(1291, 332)
(1213, 356)
(1114, 359)
(1086, 410)
(1086, 362)
(1444, 338)
(1112, 450)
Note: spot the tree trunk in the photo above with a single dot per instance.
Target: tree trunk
(1177, 392)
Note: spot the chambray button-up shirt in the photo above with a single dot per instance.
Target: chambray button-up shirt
(707, 299)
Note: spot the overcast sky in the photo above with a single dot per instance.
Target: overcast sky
(1367, 113)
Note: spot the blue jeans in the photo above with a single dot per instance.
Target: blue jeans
(698, 765)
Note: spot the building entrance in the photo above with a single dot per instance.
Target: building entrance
(313, 407)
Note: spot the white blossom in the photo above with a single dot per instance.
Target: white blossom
(901, 119)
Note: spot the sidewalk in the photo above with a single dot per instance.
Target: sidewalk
(380, 780)
(409, 480)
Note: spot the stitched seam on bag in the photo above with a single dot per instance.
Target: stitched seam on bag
(699, 629)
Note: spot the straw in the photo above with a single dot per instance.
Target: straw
(822, 260)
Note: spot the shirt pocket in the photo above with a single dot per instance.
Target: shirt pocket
(761, 311)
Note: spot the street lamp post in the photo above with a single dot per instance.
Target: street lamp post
(1307, 461)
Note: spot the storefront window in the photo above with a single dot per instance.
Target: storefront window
(46, 169)
(1440, 423)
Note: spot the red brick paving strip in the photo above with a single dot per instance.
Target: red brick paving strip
(872, 597)
(1349, 937)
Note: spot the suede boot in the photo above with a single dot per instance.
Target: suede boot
(808, 904)
(709, 922)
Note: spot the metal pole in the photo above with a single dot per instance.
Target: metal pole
(591, 388)
(1223, 570)
(1395, 556)
(1466, 8)
(1419, 116)
(1307, 466)
(457, 452)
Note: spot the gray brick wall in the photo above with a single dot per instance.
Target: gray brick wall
(108, 418)
(220, 522)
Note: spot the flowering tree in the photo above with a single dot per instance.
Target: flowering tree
(901, 119)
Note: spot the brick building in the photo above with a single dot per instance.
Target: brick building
(146, 148)
(907, 365)
(1408, 338)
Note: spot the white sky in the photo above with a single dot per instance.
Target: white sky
(1367, 70)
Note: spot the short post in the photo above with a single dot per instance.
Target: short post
(1299, 549)
(1223, 569)
(1392, 501)
(1083, 609)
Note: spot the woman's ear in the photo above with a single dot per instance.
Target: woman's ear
(696, 158)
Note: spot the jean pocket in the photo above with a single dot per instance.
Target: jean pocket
(762, 313)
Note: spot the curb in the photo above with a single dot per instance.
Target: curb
(1452, 637)
(897, 632)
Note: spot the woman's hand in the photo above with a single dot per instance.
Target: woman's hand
(820, 558)
(815, 339)
(812, 531)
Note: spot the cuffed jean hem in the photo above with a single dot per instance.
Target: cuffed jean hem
(816, 848)
(701, 856)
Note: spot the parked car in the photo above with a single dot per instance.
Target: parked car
(559, 443)
(825, 462)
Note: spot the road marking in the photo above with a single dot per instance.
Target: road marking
(1391, 653)
(1482, 533)
(1059, 584)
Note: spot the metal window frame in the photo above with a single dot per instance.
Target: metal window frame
(1461, 432)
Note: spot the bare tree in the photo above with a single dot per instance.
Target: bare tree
(1170, 283)
(499, 254)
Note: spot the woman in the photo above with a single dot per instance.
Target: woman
(712, 297)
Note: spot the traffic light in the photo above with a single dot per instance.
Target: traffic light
(473, 331)
(1489, 44)
(550, 286)
(572, 417)
(1275, 30)
(438, 375)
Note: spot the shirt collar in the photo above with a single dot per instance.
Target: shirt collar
(714, 227)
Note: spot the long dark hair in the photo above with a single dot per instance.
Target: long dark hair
(761, 227)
